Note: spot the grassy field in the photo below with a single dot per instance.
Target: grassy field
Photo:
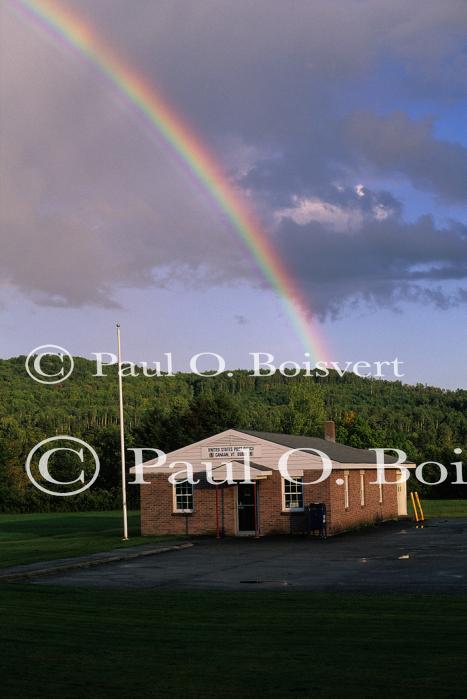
(28, 538)
(443, 508)
(73, 643)
(70, 642)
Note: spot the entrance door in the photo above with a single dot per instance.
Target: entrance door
(246, 508)
(401, 496)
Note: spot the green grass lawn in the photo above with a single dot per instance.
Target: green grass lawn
(70, 642)
(442, 508)
(59, 642)
(27, 538)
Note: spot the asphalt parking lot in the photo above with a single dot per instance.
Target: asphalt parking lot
(392, 557)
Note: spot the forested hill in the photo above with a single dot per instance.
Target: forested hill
(166, 412)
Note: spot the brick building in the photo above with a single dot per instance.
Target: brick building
(271, 503)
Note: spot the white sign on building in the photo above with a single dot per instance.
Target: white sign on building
(230, 452)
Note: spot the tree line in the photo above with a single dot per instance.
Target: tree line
(168, 412)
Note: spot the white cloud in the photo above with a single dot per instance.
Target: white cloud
(360, 190)
(340, 219)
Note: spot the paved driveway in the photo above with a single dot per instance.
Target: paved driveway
(391, 557)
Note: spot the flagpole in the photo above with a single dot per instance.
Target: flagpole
(122, 436)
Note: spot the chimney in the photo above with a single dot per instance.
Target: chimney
(330, 431)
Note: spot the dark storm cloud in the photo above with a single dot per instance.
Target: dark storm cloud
(399, 144)
(284, 93)
(382, 263)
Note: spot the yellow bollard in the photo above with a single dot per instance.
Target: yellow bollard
(422, 516)
(414, 506)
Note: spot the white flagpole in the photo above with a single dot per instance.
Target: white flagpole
(122, 436)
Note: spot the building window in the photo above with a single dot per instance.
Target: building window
(183, 497)
(362, 488)
(346, 490)
(293, 494)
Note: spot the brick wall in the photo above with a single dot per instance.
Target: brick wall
(157, 516)
(272, 519)
(340, 518)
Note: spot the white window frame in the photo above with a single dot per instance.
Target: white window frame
(174, 497)
(293, 509)
(362, 488)
(346, 490)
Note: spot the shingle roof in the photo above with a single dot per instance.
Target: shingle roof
(337, 452)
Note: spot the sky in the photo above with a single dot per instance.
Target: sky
(341, 123)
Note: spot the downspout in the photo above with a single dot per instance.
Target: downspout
(255, 510)
(218, 535)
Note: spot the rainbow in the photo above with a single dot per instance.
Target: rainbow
(67, 25)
